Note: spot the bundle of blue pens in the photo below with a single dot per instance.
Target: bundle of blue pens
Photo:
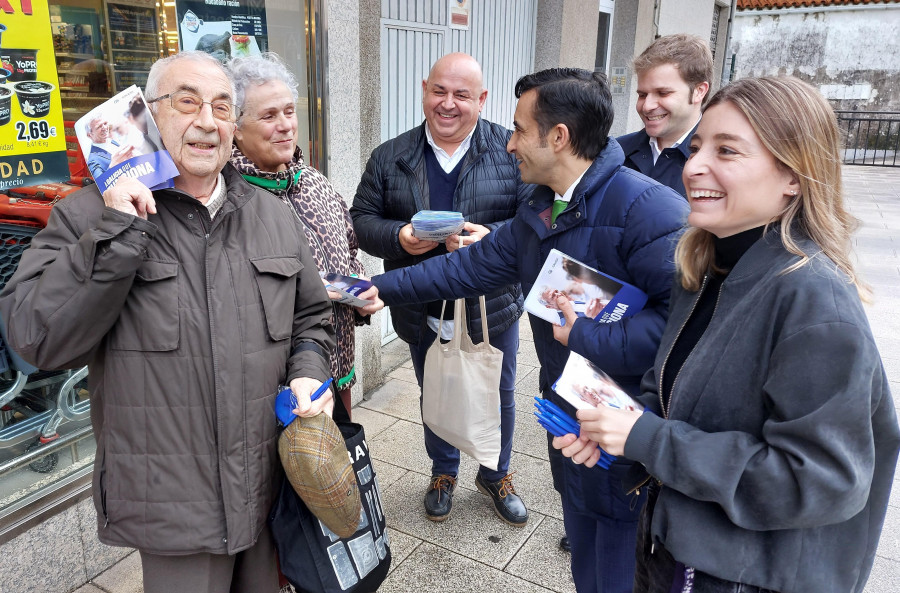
(558, 423)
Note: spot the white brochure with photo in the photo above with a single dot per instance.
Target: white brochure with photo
(585, 386)
(591, 293)
(120, 139)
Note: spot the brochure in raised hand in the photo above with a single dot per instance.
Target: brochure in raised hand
(349, 287)
(592, 293)
(120, 139)
(436, 225)
(585, 386)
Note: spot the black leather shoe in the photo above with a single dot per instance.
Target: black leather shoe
(439, 498)
(507, 503)
(564, 544)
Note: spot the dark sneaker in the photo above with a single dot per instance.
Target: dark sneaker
(564, 544)
(439, 498)
(507, 503)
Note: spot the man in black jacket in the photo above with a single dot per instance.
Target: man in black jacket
(674, 75)
(453, 161)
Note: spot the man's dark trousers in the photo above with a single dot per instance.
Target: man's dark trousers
(444, 456)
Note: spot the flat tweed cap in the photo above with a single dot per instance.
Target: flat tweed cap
(318, 466)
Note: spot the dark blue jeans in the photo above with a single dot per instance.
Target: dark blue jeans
(444, 456)
(603, 543)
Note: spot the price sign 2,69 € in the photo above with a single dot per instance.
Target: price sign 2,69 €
(32, 139)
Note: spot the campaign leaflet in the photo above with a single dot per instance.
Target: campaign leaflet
(120, 139)
(349, 287)
(592, 293)
(585, 386)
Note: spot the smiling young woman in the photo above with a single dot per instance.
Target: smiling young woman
(773, 430)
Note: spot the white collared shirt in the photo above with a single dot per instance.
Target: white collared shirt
(567, 197)
(448, 162)
(654, 147)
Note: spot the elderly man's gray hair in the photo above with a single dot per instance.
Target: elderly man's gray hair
(256, 70)
(159, 67)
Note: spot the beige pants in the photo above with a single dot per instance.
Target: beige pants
(250, 571)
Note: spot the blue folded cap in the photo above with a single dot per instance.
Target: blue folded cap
(285, 402)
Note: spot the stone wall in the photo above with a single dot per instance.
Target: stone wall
(849, 54)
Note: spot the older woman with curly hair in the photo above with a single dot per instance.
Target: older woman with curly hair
(265, 152)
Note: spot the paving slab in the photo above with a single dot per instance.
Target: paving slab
(529, 437)
(885, 577)
(433, 568)
(541, 561)
(124, 577)
(89, 588)
(373, 422)
(528, 382)
(402, 545)
(396, 398)
(471, 530)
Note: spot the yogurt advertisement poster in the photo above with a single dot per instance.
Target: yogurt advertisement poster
(32, 137)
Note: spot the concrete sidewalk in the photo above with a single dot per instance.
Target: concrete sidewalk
(475, 551)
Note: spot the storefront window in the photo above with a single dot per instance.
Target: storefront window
(102, 47)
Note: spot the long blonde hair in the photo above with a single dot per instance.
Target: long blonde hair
(797, 125)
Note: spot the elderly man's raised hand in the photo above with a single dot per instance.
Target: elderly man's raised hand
(303, 388)
(130, 196)
(412, 245)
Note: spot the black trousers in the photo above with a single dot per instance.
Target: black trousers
(658, 572)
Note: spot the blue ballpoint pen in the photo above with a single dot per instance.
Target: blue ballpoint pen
(318, 392)
(562, 424)
(563, 420)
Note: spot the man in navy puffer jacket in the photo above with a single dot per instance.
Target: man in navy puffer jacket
(454, 161)
(608, 217)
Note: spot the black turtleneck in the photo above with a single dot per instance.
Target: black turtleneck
(728, 251)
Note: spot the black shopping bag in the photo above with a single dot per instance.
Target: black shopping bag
(312, 557)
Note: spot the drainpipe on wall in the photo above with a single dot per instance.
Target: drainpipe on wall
(726, 63)
(657, 8)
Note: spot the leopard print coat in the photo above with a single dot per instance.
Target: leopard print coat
(332, 241)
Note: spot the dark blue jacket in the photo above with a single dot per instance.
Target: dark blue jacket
(669, 165)
(395, 186)
(619, 222)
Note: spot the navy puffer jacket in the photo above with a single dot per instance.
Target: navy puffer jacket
(395, 186)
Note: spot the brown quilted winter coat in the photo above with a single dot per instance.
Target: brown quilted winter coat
(188, 326)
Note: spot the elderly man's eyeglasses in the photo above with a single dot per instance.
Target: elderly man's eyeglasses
(188, 102)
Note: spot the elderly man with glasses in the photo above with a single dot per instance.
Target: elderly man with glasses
(190, 305)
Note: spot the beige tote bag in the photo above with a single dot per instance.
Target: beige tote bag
(461, 390)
